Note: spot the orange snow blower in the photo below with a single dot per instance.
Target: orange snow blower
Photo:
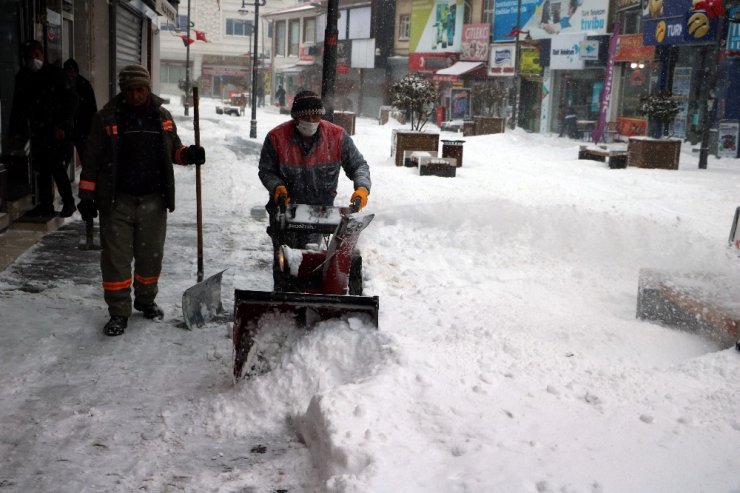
(311, 284)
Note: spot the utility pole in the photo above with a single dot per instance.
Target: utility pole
(515, 107)
(328, 79)
(255, 34)
(711, 83)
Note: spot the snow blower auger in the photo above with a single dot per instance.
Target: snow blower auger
(312, 284)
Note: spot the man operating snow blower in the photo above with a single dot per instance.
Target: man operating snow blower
(300, 163)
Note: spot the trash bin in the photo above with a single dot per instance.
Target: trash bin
(454, 149)
(440, 115)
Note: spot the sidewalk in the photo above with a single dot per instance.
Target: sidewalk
(35, 261)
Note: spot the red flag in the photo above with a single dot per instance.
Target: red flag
(200, 35)
(186, 40)
(515, 31)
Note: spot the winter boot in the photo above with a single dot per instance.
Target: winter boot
(68, 209)
(151, 311)
(116, 326)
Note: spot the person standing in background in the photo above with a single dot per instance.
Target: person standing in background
(86, 106)
(43, 111)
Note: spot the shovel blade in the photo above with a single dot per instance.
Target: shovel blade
(202, 302)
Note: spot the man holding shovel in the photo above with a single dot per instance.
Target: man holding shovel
(127, 175)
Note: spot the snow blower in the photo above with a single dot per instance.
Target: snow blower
(312, 283)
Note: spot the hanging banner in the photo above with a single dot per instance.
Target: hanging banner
(606, 93)
(631, 49)
(544, 19)
(436, 26)
(502, 60)
(475, 39)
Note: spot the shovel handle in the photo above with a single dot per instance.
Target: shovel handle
(198, 203)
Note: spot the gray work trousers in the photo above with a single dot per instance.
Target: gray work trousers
(133, 230)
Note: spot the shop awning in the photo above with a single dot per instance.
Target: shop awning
(299, 67)
(457, 69)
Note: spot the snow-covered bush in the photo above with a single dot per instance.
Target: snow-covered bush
(489, 98)
(661, 108)
(416, 96)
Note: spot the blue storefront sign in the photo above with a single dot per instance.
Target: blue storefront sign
(673, 22)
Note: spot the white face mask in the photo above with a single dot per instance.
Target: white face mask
(36, 64)
(307, 129)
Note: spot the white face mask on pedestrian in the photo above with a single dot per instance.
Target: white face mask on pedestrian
(35, 64)
(307, 129)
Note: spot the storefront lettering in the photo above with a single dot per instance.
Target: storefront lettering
(564, 52)
(592, 24)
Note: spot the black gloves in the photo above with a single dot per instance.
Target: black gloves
(194, 155)
(88, 209)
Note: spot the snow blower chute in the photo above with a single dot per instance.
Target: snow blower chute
(312, 283)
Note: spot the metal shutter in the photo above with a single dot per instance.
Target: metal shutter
(128, 37)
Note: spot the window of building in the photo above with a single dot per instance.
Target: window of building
(239, 27)
(294, 37)
(171, 72)
(279, 38)
(630, 20)
(309, 30)
(488, 12)
(404, 27)
(180, 24)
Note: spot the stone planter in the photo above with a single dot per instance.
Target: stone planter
(645, 152)
(406, 140)
(485, 125)
(346, 120)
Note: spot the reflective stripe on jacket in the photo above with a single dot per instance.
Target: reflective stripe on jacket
(98, 176)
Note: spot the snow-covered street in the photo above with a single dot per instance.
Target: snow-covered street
(508, 357)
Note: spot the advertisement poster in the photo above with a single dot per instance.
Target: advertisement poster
(673, 22)
(549, 18)
(460, 103)
(565, 52)
(436, 25)
(631, 49)
(681, 91)
(503, 59)
(727, 138)
(475, 39)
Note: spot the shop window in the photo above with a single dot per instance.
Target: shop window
(279, 38)
(630, 21)
(294, 36)
(404, 27)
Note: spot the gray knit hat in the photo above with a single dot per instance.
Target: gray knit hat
(307, 103)
(134, 75)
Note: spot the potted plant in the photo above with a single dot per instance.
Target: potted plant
(416, 97)
(659, 151)
(490, 99)
(660, 109)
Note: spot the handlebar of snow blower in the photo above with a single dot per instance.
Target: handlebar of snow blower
(355, 205)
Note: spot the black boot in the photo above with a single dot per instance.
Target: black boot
(151, 310)
(68, 209)
(116, 326)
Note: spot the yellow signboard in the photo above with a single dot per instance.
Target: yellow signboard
(529, 62)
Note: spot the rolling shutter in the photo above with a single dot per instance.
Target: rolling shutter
(128, 37)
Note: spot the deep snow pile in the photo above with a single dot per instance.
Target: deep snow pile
(508, 356)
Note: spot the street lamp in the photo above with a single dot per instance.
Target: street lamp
(255, 31)
(331, 35)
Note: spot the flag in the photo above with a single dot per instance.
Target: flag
(515, 31)
(186, 40)
(200, 35)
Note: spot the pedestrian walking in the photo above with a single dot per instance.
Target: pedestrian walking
(86, 106)
(280, 95)
(43, 111)
(127, 175)
(300, 162)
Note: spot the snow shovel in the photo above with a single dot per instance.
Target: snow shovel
(201, 302)
(89, 243)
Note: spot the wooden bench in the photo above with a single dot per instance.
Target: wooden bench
(617, 158)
